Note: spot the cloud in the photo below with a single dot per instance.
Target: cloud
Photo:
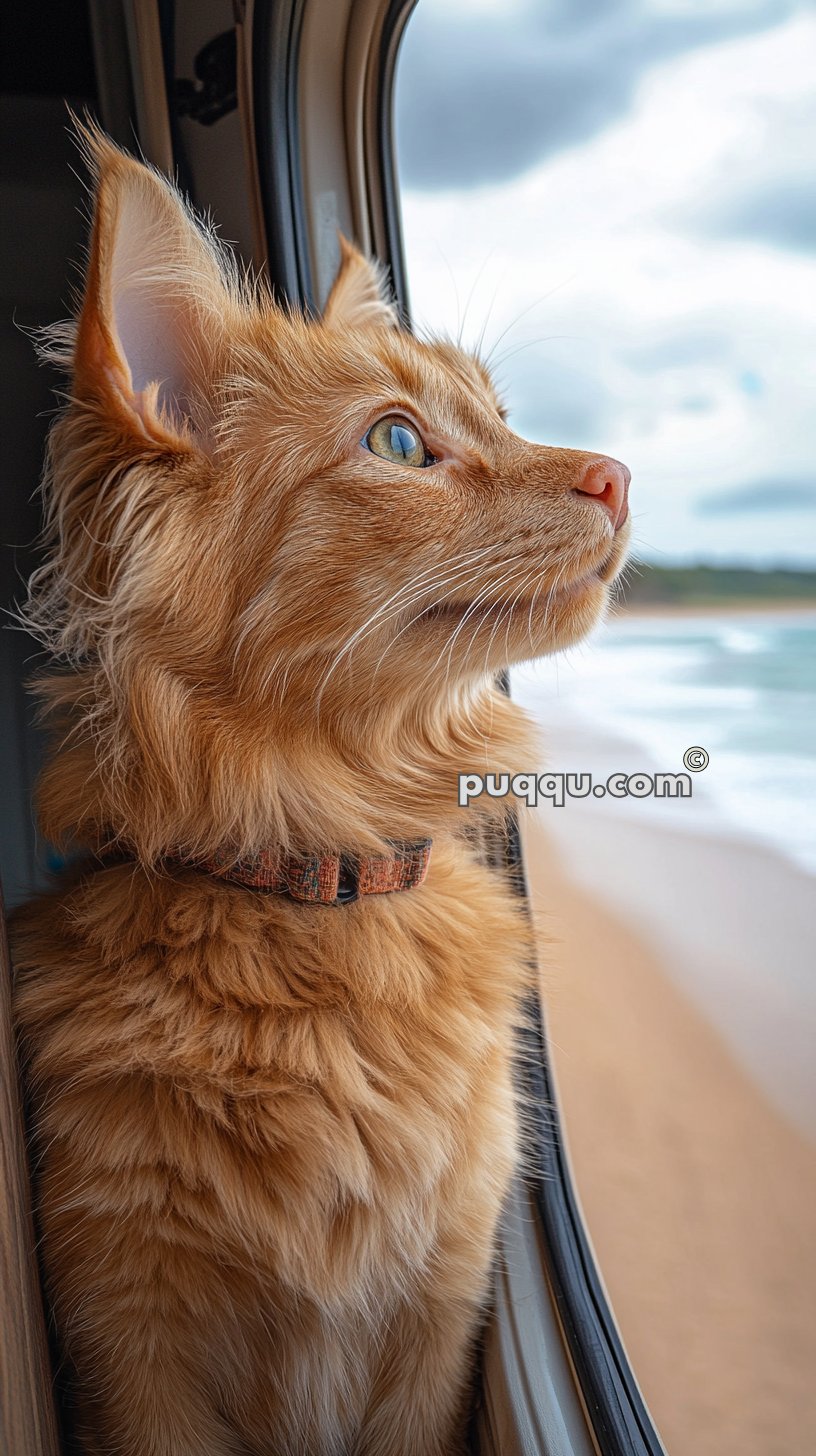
(698, 404)
(762, 186)
(684, 345)
(620, 326)
(761, 497)
(483, 96)
(780, 211)
(559, 405)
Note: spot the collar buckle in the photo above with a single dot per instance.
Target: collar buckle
(348, 881)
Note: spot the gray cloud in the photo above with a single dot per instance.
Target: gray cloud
(482, 98)
(760, 498)
(778, 210)
(698, 404)
(683, 346)
(557, 405)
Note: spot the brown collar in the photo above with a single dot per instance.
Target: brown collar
(326, 879)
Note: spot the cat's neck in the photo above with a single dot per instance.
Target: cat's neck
(205, 784)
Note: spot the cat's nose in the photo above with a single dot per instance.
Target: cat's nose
(607, 481)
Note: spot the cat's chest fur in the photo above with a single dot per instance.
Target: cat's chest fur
(317, 1087)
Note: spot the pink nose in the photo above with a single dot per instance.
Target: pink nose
(607, 481)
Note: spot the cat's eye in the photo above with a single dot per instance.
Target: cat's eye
(394, 438)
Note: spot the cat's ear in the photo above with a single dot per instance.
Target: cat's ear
(359, 298)
(155, 306)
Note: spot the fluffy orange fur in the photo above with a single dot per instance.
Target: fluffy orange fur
(272, 1141)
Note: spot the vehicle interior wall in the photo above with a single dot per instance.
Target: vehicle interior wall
(46, 57)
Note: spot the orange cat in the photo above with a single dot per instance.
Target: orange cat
(273, 1134)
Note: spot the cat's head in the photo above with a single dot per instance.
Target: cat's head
(256, 513)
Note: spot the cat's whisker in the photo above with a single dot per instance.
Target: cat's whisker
(439, 600)
(464, 563)
(373, 618)
(474, 285)
(397, 603)
(492, 586)
(458, 586)
(516, 320)
(368, 625)
(555, 584)
(531, 576)
(447, 649)
(533, 604)
(501, 607)
(511, 353)
(483, 330)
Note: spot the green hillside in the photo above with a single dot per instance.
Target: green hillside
(715, 585)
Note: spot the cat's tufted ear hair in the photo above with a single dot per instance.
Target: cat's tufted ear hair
(157, 301)
(359, 297)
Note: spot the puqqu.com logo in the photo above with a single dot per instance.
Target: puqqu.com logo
(556, 788)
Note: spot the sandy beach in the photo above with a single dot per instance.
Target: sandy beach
(688, 1093)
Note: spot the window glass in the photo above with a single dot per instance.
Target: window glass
(615, 204)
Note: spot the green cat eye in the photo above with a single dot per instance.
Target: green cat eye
(393, 438)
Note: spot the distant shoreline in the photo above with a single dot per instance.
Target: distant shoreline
(731, 606)
(699, 588)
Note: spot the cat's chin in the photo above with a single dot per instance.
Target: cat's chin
(572, 611)
(488, 638)
(539, 624)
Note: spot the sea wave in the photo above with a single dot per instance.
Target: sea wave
(646, 688)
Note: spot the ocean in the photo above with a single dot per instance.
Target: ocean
(644, 689)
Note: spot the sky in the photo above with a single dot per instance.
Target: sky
(618, 198)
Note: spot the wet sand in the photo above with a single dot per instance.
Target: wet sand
(699, 1192)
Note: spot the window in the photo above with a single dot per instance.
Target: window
(613, 203)
(641, 167)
